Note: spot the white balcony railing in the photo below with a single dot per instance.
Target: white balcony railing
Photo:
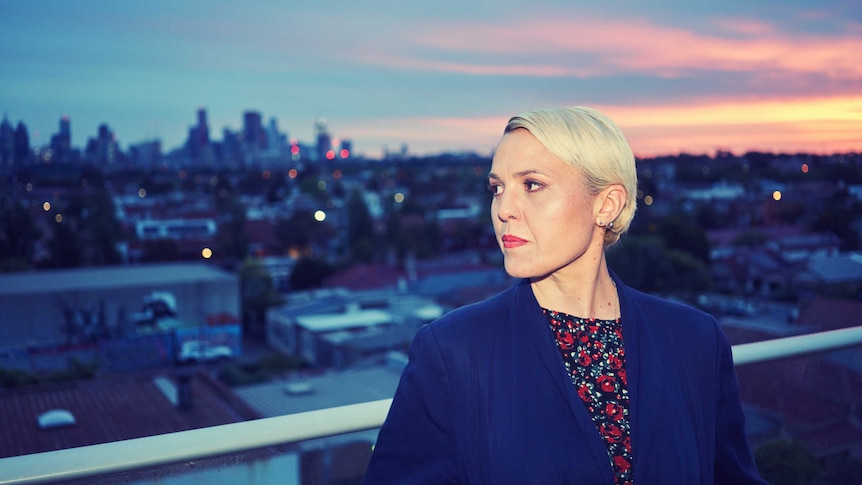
(106, 458)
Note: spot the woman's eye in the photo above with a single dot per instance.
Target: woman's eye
(532, 186)
(495, 189)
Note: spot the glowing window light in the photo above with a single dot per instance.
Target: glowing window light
(207, 253)
(46, 206)
(292, 173)
(319, 216)
(344, 153)
(804, 168)
(399, 197)
(648, 200)
(142, 192)
(58, 218)
(776, 195)
(321, 184)
(330, 154)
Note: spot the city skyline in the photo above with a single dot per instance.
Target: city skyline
(780, 77)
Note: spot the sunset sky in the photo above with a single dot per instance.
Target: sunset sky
(440, 76)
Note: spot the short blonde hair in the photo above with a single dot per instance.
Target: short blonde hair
(588, 140)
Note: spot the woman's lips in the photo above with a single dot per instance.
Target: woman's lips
(510, 241)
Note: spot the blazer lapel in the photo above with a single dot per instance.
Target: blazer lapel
(530, 319)
(632, 320)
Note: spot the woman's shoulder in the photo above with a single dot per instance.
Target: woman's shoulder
(474, 318)
(675, 315)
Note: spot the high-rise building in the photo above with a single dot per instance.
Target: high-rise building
(103, 149)
(254, 138)
(61, 143)
(198, 144)
(7, 142)
(146, 154)
(22, 144)
(324, 142)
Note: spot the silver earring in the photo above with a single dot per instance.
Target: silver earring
(610, 226)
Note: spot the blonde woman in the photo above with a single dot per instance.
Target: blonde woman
(569, 376)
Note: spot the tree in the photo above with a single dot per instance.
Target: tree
(684, 235)
(309, 273)
(18, 235)
(232, 239)
(647, 264)
(786, 463)
(65, 247)
(258, 294)
(360, 229)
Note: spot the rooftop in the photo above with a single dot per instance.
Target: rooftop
(111, 410)
(55, 281)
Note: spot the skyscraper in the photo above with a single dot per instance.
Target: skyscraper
(61, 143)
(254, 137)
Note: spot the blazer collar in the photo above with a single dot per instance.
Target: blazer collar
(528, 317)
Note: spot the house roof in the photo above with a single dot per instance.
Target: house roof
(111, 410)
(845, 268)
(53, 281)
(831, 313)
(352, 386)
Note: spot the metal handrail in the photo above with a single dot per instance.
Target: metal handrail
(105, 458)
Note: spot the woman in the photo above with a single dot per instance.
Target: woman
(569, 376)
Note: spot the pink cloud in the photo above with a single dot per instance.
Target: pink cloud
(596, 46)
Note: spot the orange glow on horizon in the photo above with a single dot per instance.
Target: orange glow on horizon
(816, 125)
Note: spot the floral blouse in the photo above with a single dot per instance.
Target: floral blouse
(594, 356)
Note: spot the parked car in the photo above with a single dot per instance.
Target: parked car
(203, 351)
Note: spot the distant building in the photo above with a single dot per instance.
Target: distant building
(7, 143)
(103, 149)
(61, 143)
(834, 276)
(44, 309)
(336, 327)
(254, 136)
(88, 412)
(147, 154)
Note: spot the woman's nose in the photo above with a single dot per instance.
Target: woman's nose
(507, 207)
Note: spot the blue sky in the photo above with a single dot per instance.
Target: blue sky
(440, 76)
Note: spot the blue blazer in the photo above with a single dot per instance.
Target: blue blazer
(485, 399)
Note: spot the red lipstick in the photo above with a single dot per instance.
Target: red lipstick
(510, 241)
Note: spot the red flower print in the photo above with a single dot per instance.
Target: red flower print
(606, 383)
(584, 393)
(594, 357)
(614, 411)
(566, 340)
(611, 432)
(621, 463)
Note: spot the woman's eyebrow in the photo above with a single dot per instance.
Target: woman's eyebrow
(520, 174)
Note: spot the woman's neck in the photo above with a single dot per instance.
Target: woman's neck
(590, 294)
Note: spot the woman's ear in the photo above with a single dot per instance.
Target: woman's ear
(609, 204)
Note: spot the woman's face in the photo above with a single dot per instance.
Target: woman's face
(543, 216)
